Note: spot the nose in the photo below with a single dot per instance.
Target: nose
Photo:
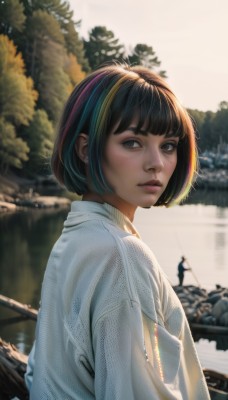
(153, 159)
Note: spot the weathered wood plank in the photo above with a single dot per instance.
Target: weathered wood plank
(12, 369)
(23, 309)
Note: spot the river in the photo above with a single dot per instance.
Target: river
(198, 230)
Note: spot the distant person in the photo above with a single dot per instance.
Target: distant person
(181, 270)
(110, 326)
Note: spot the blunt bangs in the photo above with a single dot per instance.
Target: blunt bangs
(155, 110)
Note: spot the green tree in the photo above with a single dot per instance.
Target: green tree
(46, 59)
(208, 139)
(144, 55)
(223, 105)
(102, 47)
(40, 136)
(60, 11)
(13, 150)
(75, 45)
(198, 118)
(12, 17)
(220, 124)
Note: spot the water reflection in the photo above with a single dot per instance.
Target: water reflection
(208, 197)
(26, 239)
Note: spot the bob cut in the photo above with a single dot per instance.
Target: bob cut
(107, 101)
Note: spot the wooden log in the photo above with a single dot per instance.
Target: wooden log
(217, 384)
(12, 369)
(23, 309)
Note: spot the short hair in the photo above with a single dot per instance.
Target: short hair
(109, 99)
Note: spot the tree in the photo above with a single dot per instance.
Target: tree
(102, 47)
(39, 135)
(198, 118)
(60, 11)
(145, 55)
(18, 97)
(53, 84)
(223, 105)
(13, 150)
(75, 45)
(73, 70)
(17, 104)
(12, 17)
(46, 58)
(220, 124)
(208, 139)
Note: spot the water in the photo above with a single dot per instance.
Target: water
(198, 230)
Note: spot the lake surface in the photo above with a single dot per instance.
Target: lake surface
(198, 230)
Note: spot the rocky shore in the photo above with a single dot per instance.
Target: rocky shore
(207, 313)
(17, 193)
(202, 307)
(212, 179)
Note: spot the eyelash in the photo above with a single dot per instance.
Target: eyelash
(173, 144)
(130, 144)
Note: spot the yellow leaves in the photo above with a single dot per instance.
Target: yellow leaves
(18, 97)
(9, 59)
(73, 70)
(30, 87)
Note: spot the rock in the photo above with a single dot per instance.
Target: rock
(223, 320)
(207, 320)
(214, 298)
(202, 307)
(5, 206)
(220, 308)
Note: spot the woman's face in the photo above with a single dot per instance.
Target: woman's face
(138, 167)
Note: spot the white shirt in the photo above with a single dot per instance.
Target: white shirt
(110, 326)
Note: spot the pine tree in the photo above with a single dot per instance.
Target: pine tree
(144, 55)
(102, 47)
(12, 17)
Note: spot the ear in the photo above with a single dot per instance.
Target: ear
(81, 147)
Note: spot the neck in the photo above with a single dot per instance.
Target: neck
(114, 201)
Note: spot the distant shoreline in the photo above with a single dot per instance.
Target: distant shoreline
(212, 179)
(17, 193)
(43, 192)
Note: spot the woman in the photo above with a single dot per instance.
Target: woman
(110, 326)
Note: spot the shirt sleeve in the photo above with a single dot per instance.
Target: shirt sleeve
(30, 367)
(122, 368)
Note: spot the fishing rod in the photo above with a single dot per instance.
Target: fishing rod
(187, 262)
(193, 274)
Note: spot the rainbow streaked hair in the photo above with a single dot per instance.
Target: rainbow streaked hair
(107, 101)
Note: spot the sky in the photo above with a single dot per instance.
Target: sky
(190, 38)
